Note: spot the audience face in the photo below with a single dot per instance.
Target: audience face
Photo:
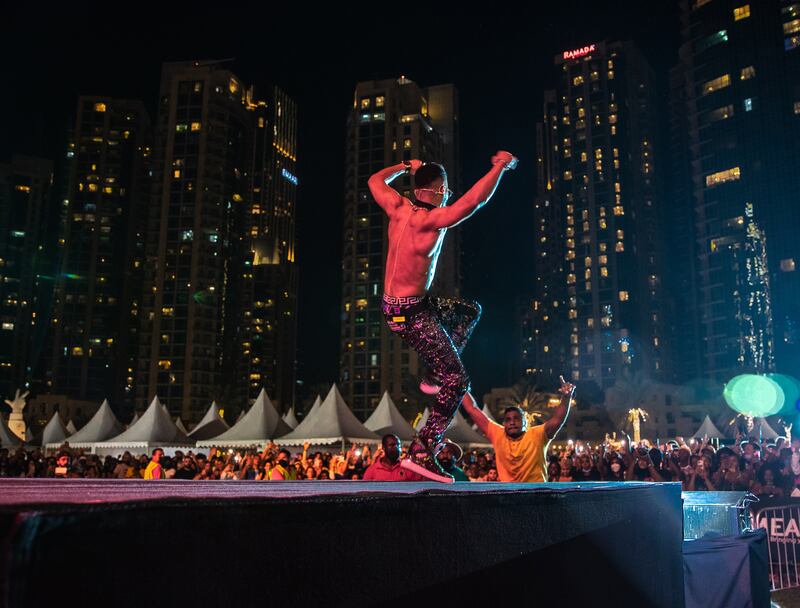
(513, 424)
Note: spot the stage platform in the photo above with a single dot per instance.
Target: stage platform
(218, 543)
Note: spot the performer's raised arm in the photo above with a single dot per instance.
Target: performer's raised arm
(474, 412)
(386, 196)
(475, 198)
(556, 421)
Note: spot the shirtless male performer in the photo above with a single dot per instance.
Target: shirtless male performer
(436, 328)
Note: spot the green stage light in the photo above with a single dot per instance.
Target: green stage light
(791, 392)
(753, 395)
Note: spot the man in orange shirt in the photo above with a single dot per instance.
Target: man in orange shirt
(154, 470)
(520, 453)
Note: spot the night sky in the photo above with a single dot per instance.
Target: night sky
(500, 59)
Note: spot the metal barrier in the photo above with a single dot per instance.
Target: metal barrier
(781, 520)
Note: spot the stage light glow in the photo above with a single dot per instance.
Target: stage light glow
(791, 392)
(752, 395)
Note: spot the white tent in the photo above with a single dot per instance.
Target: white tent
(211, 425)
(54, 432)
(71, 428)
(387, 419)
(102, 426)
(290, 419)
(332, 422)
(314, 407)
(423, 419)
(181, 427)
(767, 432)
(709, 429)
(7, 438)
(134, 420)
(464, 435)
(258, 426)
(154, 429)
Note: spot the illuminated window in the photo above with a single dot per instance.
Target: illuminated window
(8, 326)
(619, 210)
(196, 126)
(99, 107)
(181, 128)
(603, 246)
(611, 74)
(567, 175)
(379, 101)
(165, 364)
(581, 113)
(792, 10)
(720, 177)
(570, 279)
(748, 104)
(77, 351)
(720, 113)
(92, 187)
(797, 107)
(620, 247)
(792, 27)
(623, 296)
(176, 174)
(590, 322)
(791, 43)
(603, 271)
(583, 157)
(602, 224)
(187, 235)
(787, 265)
(577, 80)
(620, 234)
(168, 311)
(406, 143)
(365, 103)
(587, 274)
(743, 12)
(587, 261)
(715, 85)
(748, 72)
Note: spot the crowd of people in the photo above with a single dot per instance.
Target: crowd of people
(768, 468)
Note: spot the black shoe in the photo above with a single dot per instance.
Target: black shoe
(422, 461)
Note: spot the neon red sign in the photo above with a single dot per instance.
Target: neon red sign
(580, 52)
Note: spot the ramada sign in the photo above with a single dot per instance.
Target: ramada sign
(580, 52)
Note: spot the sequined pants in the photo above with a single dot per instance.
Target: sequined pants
(437, 329)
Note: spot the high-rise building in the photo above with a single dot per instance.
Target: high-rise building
(738, 84)
(220, 288)
(25, 203)
(392, 120)
(599, 305)
(95, 322)
(267, 341)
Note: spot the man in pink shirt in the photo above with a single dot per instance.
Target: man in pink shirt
(387, 467)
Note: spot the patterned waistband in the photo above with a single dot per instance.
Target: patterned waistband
(402, 300)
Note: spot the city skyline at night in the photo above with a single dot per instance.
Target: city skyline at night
(499, 106)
